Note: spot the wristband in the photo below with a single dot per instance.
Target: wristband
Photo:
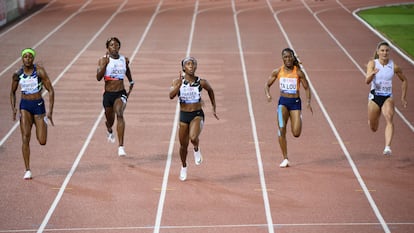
(131, 82)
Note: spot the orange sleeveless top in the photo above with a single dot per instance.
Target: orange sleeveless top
(288, 81)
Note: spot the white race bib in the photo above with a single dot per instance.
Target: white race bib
(383, 88)
(288, 85)
(29, 85)
(189, 94)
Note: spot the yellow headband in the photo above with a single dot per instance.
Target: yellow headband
(29, 50)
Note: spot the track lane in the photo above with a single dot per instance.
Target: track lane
(393, 178)
(223, 183)
(305, 151)
(113, 185)
(62, 155)
(335, 110)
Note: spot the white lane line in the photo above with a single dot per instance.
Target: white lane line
(395, 48)
(4, 139)
(214, 227)
(91, 133)
(161, 202)
(253, 124)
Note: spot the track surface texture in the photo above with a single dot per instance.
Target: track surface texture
(338, 182)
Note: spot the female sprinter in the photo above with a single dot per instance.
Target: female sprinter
(290, 77)
(380, 72)
(32, 78)
(188, 89)
(113, 68)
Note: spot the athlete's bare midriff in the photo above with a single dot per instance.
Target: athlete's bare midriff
(297, 95)
(190, 107)
(34, 96)
(114, 85)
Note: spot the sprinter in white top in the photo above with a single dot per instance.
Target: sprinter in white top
(380, 73)
(113, 68)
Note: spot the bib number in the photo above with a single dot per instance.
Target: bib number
(288, 85)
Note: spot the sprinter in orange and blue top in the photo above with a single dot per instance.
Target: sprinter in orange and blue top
(290, 77)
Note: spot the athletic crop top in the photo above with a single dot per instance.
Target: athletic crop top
(382, 82)
(190, 93)
(29, 84)
(288, 82)
(116, 69)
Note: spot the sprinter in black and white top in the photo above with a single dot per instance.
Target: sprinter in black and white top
(188, 89)
(113, 68)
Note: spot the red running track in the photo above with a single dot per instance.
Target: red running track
(339, 181)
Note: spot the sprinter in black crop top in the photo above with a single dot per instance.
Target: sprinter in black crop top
(188, 88)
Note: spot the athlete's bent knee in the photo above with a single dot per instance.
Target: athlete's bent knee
(192, 140)
(373, 127)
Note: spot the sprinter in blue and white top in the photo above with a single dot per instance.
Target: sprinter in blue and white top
(32, 78)
(380, 72)
(113, 68)
(188, 89)
(29, 83)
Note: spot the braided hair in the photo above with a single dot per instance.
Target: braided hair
(296, 62)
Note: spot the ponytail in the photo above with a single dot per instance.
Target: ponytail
(296, 61)
(378, 46)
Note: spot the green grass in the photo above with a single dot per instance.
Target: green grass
(394, 22)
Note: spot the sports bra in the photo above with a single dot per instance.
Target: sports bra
(190, 93)
(29, 84)
(116, 69)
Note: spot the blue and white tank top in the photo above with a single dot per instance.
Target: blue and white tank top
(116, 69)
(29, 84)
(190, 93)
(382, 82)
